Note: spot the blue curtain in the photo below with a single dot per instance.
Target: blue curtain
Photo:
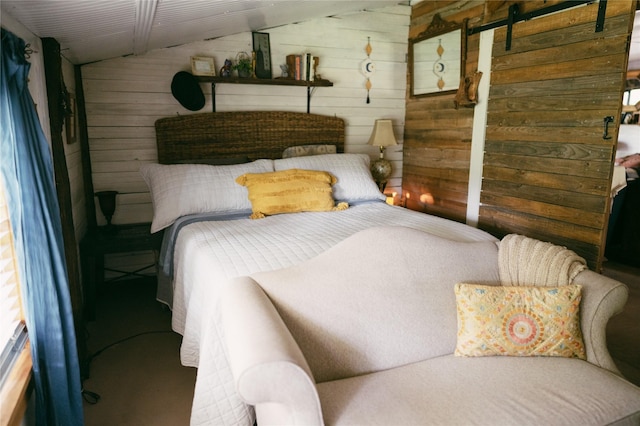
(27, 171)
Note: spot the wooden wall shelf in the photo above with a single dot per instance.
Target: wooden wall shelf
(267, 82)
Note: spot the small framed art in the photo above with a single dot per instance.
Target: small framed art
(202, 65)
(263, 54)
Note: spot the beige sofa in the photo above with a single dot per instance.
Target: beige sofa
(365, 334)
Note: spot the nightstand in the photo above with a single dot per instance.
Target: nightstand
(97, 243)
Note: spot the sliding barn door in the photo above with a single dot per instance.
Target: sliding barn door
(548, 162)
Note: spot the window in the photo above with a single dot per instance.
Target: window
(631, 97)
(15, 360)
(630, 106)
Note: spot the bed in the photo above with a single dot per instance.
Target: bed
(203, 200)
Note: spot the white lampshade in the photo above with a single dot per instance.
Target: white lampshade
(382, 134)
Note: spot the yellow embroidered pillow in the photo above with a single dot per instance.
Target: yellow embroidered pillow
(519, 321)
(289, 191)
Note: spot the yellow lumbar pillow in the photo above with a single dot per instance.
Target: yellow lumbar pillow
(290, 191)
(519, 321)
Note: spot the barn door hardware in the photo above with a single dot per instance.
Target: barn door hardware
(608, 119)
(515, 16)
(602, 9)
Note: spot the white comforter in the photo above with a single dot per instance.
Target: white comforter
(207, 254)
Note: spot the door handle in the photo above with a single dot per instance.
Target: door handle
(608, 119)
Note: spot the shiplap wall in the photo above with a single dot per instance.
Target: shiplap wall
(125, 96)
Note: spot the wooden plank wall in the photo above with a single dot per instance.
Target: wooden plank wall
(547, 168)
(125, 96)
(437, 137)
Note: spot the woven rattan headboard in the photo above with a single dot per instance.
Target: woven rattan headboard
(240, 135)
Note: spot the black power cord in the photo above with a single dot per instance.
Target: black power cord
(92, 397)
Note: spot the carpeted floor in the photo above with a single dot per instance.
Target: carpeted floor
(135, 368)
(137, 372)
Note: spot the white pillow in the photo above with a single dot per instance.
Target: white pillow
(182, 189)
(352, 171)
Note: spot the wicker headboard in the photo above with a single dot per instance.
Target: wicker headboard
(249, 135)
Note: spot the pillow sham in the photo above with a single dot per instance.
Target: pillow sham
(289, 191)
(305, 150)
(354, 181)
(182, 189)
(519, 321)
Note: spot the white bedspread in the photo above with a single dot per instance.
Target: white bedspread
(209, 253)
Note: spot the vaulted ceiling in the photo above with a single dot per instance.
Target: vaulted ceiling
(93, 30)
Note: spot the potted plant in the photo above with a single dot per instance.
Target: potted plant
(243, 65)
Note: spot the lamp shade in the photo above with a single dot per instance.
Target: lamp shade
(382, 134)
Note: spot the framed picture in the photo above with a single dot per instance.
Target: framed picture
(263, 54)
(202, 65)
(437, 58)
(70, 119)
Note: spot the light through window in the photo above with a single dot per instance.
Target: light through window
(12, 329)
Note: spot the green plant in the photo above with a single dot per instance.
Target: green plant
(243, 66)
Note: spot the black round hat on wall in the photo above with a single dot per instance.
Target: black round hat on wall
(186, 89)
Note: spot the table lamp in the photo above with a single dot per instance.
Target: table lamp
(383, 137)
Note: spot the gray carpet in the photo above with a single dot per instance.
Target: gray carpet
(136, 369)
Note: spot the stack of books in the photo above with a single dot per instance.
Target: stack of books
(301, 67)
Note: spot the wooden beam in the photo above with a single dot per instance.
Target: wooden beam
(54, 82)
(89, 201)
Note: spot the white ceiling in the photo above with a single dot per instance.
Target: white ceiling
(93, 30)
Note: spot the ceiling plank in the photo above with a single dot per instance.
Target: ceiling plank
(145, 13)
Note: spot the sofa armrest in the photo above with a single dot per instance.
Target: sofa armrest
(602, 298)
(269, 370)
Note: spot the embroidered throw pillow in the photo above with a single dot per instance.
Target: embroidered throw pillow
(519, 321)
(289, 191)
